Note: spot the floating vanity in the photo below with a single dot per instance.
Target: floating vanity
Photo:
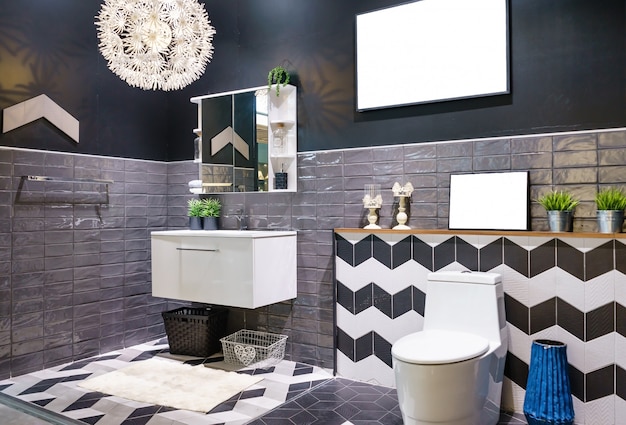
(237, 268)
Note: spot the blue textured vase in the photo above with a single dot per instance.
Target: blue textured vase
(548, 397)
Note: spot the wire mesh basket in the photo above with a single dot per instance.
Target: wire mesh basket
(247, 348)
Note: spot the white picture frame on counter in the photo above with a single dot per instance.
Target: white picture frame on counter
(489, 201)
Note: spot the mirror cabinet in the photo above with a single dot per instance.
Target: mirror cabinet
(248, 140)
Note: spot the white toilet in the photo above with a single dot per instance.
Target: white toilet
(451, 372)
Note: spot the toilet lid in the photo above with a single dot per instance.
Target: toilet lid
(439, 347)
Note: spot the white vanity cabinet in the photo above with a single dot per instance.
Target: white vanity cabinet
(247, 269)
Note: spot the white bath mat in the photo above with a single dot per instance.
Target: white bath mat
(172, 384)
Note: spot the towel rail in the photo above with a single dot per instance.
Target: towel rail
(66, 180)
(42, 200)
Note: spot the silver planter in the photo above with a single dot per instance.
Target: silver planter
(610, 221)
(560, 221)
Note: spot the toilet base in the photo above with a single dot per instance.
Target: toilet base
(445, 394)
(460, 393)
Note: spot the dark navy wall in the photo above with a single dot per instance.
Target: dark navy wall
(51, 48)
(568, 72)
(568, 61)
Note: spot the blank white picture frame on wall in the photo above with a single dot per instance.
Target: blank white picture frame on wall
(431, 50)
(489, 201)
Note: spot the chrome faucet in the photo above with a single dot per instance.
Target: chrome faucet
(242, 221)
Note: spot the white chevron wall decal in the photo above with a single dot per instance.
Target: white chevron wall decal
(40, 107)
(226, 136)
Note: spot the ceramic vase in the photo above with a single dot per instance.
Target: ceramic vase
(195, 223)
(209, 223)
(548, 398)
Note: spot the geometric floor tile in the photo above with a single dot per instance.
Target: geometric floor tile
(290, 393)
(59, 394)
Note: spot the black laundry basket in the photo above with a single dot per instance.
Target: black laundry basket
(195, 331)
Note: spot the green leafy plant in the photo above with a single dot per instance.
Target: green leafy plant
(195, 208)
(211, 207)
(278, 75)
(611, 199)
(558, 201)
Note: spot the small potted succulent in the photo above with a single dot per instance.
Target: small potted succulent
(195, 212)
(610, 204)
(211, 209)
(560, 208)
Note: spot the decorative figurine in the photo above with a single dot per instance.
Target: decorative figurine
(372, 200)
(403, 192)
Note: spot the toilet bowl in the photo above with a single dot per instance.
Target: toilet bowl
(451, 372)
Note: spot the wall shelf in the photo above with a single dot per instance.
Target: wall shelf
(286, 122)
(283, 111)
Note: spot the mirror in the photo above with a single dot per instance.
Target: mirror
(233, 129)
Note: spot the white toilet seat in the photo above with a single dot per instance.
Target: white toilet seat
(439, 347)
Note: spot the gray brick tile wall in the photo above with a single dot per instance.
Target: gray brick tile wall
(75, 277)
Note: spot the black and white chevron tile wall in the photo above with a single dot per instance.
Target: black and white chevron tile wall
(572, 289)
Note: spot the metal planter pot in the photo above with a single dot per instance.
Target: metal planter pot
(560, 221)
(610, 221)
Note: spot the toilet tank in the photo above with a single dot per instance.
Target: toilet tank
(465, 301)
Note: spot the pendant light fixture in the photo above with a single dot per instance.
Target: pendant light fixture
(155, 44)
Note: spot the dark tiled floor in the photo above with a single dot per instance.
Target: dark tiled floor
(339, 401)
(346, 402)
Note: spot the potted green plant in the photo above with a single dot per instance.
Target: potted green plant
(278, 75)
(194, 211)
(211, 209)
(560, 208)
(610, 204)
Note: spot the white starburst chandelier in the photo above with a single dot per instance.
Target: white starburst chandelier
(155, 44)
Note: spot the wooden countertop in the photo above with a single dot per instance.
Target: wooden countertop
(487, 232)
